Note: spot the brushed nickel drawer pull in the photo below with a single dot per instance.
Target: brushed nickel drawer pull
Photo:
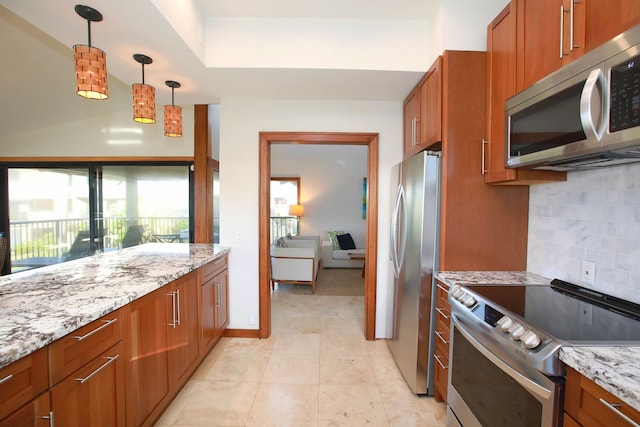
(218, 297)
(446, 316)
(173, 322)
(5, 379)
(439, 334)
(442, 288)
(98, 329)
(612, 407)
(107, 363)
(178, 306)
(435, 356)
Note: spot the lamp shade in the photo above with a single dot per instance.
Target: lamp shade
(90, 62)
(172, 114)
(144, 96)
(296, 210)
(144, 103)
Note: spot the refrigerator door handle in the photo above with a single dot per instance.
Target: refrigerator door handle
(397, 252)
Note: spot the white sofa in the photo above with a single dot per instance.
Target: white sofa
(297, 262)
(338, 258)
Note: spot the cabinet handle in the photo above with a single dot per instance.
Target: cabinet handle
(178, 317)
(435, 356)
(571, 13)
(173, 322)
(50, 418)
(442, 288)
(218, 296)
(98, 329)
(483, 169)
(107, 363)
(414, 123)
(615, 410)
(5, 379)
(561, 31)
(446, 316)
(439, 334)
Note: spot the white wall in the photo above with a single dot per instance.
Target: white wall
(330, 185)
(240, 122)
(593, 216)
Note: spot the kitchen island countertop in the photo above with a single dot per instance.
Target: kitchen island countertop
(613, 368)
(41, 305)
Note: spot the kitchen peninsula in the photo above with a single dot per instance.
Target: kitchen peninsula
(159, 308)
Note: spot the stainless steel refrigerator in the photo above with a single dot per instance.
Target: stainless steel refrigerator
(414, 255)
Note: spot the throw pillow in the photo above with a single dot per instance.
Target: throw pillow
(346, 241)
(333, 239)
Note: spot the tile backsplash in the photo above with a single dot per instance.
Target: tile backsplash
(593, 216)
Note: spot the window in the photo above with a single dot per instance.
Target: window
(284, 193)
(56, 214)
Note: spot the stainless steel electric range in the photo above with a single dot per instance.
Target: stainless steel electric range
(505, 341)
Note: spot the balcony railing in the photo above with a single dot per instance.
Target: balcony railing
(38, 243)
(283, 225)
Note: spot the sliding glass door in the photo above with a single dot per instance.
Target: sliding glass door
(54, 214)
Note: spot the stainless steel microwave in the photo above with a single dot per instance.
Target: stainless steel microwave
(585, 115)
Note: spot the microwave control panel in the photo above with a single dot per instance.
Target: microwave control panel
(625, 95)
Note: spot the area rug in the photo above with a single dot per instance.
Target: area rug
(332, 282)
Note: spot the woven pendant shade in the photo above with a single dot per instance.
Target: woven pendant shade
(173, 121)
(90, 62)
(144, 103)
(172, 114)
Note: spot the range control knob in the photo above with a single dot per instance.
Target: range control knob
(516, 330)
(469, 301)
(530, 339)
(454, 289)
(505, 323)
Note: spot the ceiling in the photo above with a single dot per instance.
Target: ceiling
(38, 60)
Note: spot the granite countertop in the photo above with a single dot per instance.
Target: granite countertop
(41, 305)
(613, 368)
(463, 278)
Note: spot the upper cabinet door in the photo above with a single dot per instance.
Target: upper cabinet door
(411, 123)
(501, 85)
(605, 19)
(431, 105)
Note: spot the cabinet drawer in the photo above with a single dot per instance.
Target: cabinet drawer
(36, 413)
(441, 372)
(441, 296)
(442, 331)
(74, 350)
(23, 380)
(210, 270)
(593, 406)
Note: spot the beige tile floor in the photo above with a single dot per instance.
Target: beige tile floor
(315, 370)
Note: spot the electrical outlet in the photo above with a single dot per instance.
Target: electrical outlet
(240, 236)
(588, 274)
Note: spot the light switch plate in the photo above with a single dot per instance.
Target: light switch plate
(588, 274)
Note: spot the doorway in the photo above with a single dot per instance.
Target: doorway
(368, 139)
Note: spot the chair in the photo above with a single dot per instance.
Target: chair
(81, 246)
(296, 263)
(133, 236)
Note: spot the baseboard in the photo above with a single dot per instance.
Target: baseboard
(242, 333)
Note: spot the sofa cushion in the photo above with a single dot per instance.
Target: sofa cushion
(333, 237)
(345, 241)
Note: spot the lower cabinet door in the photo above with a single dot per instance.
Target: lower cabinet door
(36, 413)
(207, 311)
(94, 394)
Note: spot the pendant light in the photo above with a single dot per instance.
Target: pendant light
(90, 62)
(144, 96)
(172, 114)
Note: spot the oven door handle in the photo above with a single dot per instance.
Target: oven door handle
(529, 384)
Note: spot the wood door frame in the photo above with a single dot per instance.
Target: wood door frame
(320, 138)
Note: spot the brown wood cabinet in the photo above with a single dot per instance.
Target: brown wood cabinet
(183, 333)
(411, 122)
(443, 333)
(214, 302)
(589, 405)
(501, 85)
(94, 394)
(22, 381)
(36, 413)
(423, 112)
(551, 33)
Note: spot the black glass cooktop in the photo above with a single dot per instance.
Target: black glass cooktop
(565, 311)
